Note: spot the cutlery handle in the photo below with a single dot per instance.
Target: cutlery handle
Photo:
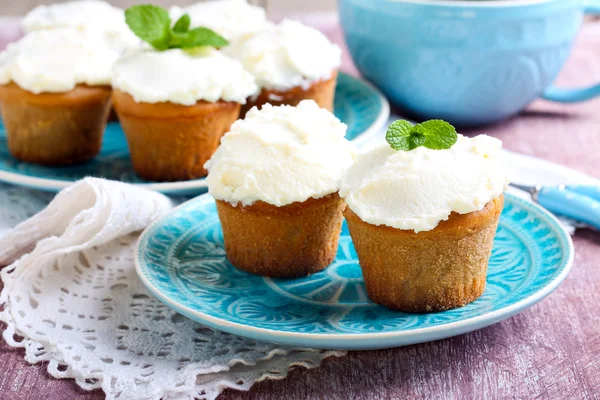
(571, 204)
(589, 191)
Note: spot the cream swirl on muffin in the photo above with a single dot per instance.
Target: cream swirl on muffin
(280, 155)
(56, 61)
(91, 16)
(232, 19)
(287, 55)
(415, 190)
(182, 76)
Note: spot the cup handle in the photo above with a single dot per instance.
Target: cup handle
(563, 95)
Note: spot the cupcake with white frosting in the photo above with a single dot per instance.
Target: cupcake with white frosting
(175, 105)
(176, 101)
(55, 95)
(291, 62)
(232, 19)
(423, 221)
(276, 178)
(93, 17)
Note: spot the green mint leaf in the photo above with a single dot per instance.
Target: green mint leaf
(439, 135)
(183, 24)
(150, 23)
(415, 140)
(433, 134)
(176, 39)
(202, 37)
(398, 135)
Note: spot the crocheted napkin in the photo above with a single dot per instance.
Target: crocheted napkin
(74, 300)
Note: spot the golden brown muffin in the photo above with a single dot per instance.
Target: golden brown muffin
(294, 240)
(171, 142)
(55, 128)
(321, 92)
(427, 271)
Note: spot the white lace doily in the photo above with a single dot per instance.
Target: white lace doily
(87, 314)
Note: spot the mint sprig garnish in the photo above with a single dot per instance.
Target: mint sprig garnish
(152, 24)
(183, 24)
(205, 36)
(434, 134)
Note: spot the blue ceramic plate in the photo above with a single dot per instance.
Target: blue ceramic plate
(181, 260)
(357, 103)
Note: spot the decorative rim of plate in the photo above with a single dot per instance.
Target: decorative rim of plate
(182, 187)
(371, 340)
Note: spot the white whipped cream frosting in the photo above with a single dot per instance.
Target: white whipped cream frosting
(280, 155)
(90, 16)
(287, 55)
(182, 76)
(415, 190)
(56, 61)
(231, 19)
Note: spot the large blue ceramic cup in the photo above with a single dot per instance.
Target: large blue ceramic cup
(468, 62)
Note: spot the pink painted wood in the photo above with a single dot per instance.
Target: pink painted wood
(551, 351)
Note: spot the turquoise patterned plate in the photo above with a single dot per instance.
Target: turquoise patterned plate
(181, 260)
(362, 107)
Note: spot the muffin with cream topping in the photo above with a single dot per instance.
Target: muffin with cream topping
(176, 101)
(291, 62)
(423, 221)
(55, 95)
(92, 17)
(232, 19)
(275, 177)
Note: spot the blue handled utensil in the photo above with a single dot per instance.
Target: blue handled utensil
(581, 203)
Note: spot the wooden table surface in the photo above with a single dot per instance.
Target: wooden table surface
(550, 351)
